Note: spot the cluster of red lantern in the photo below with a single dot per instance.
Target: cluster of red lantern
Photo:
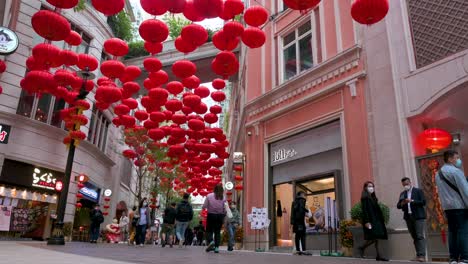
(106, 205)
(238, 177)
(153, 200)
(82, 178)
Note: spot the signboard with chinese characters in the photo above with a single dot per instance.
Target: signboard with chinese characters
(4, 133)
(8, 41)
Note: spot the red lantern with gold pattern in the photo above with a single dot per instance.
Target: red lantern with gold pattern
(435, 139)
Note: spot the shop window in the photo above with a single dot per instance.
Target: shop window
(297, 51)
(45, 108)
(98, 129)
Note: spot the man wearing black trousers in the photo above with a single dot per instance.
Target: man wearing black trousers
(412, 203)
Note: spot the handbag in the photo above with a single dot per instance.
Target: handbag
(228, 210)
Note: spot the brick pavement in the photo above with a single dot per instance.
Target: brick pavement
(39, 252)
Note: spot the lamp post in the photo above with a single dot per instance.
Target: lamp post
(57, 237)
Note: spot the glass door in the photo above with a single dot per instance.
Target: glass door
(284, 197)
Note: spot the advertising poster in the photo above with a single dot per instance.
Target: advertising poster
(5, 217)
(19, 220)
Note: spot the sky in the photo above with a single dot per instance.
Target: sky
(207, 23)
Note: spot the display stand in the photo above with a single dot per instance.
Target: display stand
(259, 221)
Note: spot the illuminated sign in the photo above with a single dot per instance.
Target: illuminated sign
(90, 193)
(43, 180)
(108, 192)
(4, 133)
(229, 186)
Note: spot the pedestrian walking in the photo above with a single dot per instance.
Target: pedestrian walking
(298, 214)
(215, 205)
(97, 218)
(132, 225)
(144, 221)
(184, 214)
(232, 224)
(452, 187)
(372, 220)
(412, 202)
(124, 224)
(199, 233)
(167, 231)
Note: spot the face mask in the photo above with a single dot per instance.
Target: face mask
(233, 207)
(145, 204)
(370, 189)
(458, 163)
(407, 187)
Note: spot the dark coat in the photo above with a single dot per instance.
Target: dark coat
(417, 205)
(298, 212)
(372, 214)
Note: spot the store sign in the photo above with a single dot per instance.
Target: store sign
(8, 41)
(238, 158)
(229, 186)
(43, 180)
(90, 193)
(108, 192)
(4, 133)
(283, 154)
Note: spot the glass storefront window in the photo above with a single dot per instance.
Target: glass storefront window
(284, 197)
(25, 105)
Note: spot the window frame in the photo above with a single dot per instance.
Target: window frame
(50, 112)
(281, 47)
(99, 129)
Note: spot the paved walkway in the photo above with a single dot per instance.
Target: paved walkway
(39, 252)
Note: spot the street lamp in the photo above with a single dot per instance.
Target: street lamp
(57, 237)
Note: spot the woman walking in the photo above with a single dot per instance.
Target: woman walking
(372, 220)
(214, 203)
(144, 221)
(123, 224)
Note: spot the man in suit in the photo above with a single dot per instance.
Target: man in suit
(412, 202)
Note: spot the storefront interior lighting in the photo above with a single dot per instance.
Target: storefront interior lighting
(2, 190)
(326, 181)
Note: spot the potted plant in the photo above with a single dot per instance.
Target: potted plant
(67, 231)
(357, 231)
(346, 237)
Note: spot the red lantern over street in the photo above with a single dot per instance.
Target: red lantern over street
(153, 30)
(218, 96)
(223, 41)
(74, 38)
(194, 34)
(50, 25)
(209, 8)
(239, 187)
(183, 45)
(435, 139)
(116, 47)
(184, 68)
(225, 64)
(78, 205)
(153, 47)
(369, 12)
(253, 37)
(154, 7)
(152, 64)
(64, 4)
(112, 68)
(191, 13)
(175, 6)
(107, 7)
(231, 9)
(301, 5)
(256, 16)
(233, 29)
(87, 62)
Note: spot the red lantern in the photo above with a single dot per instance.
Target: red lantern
(200, 109)
(173, 105)
(435, 139)
(107, 7)
(231, 9)
(211, 118)
(158, 94)
(194, 34)
(209, 8)
(218, 96)
(152, 64)
(175, 88)
(153, 47)
(222, 41)
(156, 134)
(108, 94)
(106, 206)
(87, 62)
(218, 84)
(157, 117)
(239, 187)
(191, 100)
(191, 82)
(141, 115)
(225, 64)
(132, 72)
(129, 154)
(179, 119)
(116, 47)
(113, 68)
(50, 25)
(159, 77)
(153, 30)
(196, 124)
(256, 16)
(253, 37)
(78, 205)
(105, 213)
(121, 109)
(130, 102)
(64, 4)
(301, 5)
(238, 168)
(184, 68)
(369, 12)
(107, 199)
(238, 178)
(216, 109)
(80, 185)
(68, 57)
(74, 38)
(154, 7)
(183, 45)
(202, 91)
(79, 196)
(175, 6)
(191, 13)
(46, 54)
(233, 29)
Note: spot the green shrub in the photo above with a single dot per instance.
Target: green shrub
(356, 212)
(136, 49)
(346, 237)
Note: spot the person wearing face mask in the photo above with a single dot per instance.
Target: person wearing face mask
(232, 225)
(452, 188)
(412, 203)
(143, 222)
(372, 220)
(97, 218)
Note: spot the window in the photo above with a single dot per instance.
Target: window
(297, 51)
(126, 177)
(98, 129)
(45, 108)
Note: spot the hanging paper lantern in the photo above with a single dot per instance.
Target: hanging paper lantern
(159, 78)
(113, 68)
(231, 9)
(194, 34)
(179, 119)
(107, 199)
(116, 47)
(152, 64)
(301, 5)
(74, 38)
(225, 64)
(105, 213)
(183, 45)
(253, 37)
(46, 54)
(131, 87)
(238, 178)
(175, 88)
(218, 84)
(196, 124)
(141, 115)
(238, 168)
(130, 102)
(77, 135)
(223, 42)
(191, 82)
(129, 154)
(64, 77)
(39, 81)
(154, 7)
(78, 205)
(211, 118)
(175, 6)
(64, 4)
(158, 94)
(107, 7)
(191, 100)
(153, 30)
(132, 72)
(157, 117)
(127, 121)
(201, 109)
(184, 68)
(108, 94)
(191, 13)
(256, 16)
(435, 139)
(216, 109)
(173, 105)
(87, 62)
(68, 57)
(209, 8)
(218, 96)
(368, 12)
(79, 196)
(233, 29)
(202, 91)
(121, 109)
(239, 187)
(50, 25)
(153, 47)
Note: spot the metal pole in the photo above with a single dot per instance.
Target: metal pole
(57, 237)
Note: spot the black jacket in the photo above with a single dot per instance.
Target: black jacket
(184, 212)
(169, 216)
(298, 212)
(372, 214)
(417, 205)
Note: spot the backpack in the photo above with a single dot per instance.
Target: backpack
(184, 212)
(98, 217)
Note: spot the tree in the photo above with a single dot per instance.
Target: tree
(121, 26)
(175, 24)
